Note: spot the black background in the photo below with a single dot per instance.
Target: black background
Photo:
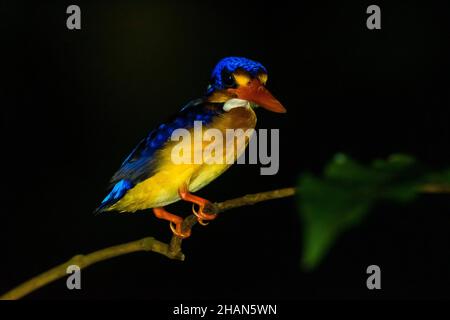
(74, 103)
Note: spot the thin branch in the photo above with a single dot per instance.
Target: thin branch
(83, 261)
(434, 188)
(171, 250)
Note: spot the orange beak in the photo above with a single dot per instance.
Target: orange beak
(255, 92)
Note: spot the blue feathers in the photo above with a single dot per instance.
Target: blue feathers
(118, 191)
(230, 64)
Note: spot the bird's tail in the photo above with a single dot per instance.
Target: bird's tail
(100, 209)
(117, 192)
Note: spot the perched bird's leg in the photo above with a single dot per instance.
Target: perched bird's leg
(161, 213)
(196, 200)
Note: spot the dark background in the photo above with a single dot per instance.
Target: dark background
(74, 104)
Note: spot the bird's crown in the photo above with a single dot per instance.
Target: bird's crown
(225, 67)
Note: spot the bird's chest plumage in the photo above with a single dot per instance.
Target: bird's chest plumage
(236, 127)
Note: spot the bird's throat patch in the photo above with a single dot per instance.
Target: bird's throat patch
(236, 103)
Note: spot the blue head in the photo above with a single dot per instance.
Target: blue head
(221, 75)
(242, 78)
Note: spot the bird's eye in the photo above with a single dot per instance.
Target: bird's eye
(228, 80)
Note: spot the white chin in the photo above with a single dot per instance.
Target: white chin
(235, 103)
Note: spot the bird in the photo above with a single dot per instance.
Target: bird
(148, 178)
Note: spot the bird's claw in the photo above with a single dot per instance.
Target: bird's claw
(178, 232)
(201, 215)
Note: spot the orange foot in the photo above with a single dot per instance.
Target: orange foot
(161, 213)
(202, 203)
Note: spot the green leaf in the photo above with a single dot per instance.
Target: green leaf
(327, 211)
(339, 200)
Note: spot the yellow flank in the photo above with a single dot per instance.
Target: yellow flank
(162, 188)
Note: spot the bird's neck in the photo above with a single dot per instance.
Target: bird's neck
(237, 118)
(219, 97)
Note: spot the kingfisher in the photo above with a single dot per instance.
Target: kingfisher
(149, 178)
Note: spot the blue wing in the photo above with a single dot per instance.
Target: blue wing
(140, 164)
